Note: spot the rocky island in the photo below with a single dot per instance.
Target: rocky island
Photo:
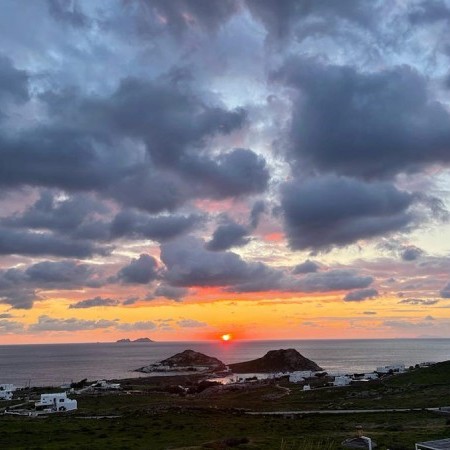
(187, 361)
(144, 339)
(289, 360)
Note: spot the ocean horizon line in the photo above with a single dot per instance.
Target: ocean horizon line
(234, 341)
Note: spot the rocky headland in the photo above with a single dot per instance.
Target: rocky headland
(187, 361)
(289, 360)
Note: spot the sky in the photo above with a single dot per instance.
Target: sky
(187, 168)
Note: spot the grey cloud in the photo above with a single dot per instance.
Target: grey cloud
(258, 208)
(365, 124)
(62, 273)
(10, 326)
(94, 302)
(154, 17)
(6, 316)
(282, 17)
(330, 280)
(411, 253)
(171, 292)
(190, 264)
(445, 291)
(228, 235)
(68, 13)
(47, 323)
(189, 323)
(360, 295)
(370, 313)
(306, 267)
(134, 224)
(329, 211)
(22, 242)
(141, 271)
(19, 287)
(235, 173)
(429, 11)
(13, 82)
(137, 326)
(418, 301)
(51, 213)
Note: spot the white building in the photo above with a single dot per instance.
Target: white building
(300, 375)
(306, 387)
(342, 381)
(393, 367)
(105, 385)
(58, 402)
(6, 391)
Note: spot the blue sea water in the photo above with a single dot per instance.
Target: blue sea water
(54, 364)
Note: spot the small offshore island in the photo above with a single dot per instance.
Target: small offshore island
(126, 340)
(182, 402)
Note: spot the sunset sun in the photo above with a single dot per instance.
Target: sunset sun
(226, 337)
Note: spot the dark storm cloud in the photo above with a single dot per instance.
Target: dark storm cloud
(333, 211)
(429, 11)
(364, 124)
(411, 253)
(418, 301)
(360, 295)
(141, 271)
(281, 17)
(94, 303)
(135, 224)
(227, 235)
(23, 242)
(306, 267)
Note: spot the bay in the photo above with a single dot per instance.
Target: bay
(55, 364)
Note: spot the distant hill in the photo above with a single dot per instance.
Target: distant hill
(144, 339)
(289, 360)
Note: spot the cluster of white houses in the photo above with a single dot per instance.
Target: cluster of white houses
(345, 380)
(7, 391)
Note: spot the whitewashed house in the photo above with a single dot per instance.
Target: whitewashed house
(6, 391)
(300, 375)
(105, 385)
(306, 387)
(58, 402)
(396, 368)
(342, 381)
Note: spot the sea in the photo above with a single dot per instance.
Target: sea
(57, 364)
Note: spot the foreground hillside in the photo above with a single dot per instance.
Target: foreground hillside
(150, 416)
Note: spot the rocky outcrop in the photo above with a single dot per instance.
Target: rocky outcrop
(289, 360)
(187, 361)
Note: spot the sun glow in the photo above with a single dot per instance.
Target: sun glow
(226, 337)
